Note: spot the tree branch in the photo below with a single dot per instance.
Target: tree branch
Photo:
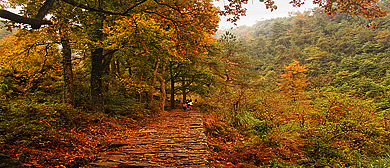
(35, 23)
(99, 10)
(131, 8)
(169, 6)
(86, 7)
(47, 5)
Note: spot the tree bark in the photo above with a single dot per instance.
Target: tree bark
(152, 83)
(172, 85)
(184, 89)
(162, 84)
(117, 66)
(95, 34)
(96, 80)
(47, 5)
(67, 66)
(107, 67)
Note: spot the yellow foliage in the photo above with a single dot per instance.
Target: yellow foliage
(28, 57)
(294, 79)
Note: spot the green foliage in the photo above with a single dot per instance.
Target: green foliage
(343, 52)
(327, 129)
(119, 105)
(381, 162)
(36, 124)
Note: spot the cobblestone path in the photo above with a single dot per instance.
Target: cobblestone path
(178, 140)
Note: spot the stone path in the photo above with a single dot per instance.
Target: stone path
(176, 141)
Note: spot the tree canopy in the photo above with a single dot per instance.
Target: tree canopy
(35, 12)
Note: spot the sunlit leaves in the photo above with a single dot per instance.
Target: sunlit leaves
(141, 33)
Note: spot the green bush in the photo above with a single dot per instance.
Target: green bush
(28, 122)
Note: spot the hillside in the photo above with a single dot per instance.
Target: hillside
(317, 93)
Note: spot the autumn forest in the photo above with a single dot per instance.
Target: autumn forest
(308, 90)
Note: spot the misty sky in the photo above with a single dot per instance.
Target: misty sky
(256, 11)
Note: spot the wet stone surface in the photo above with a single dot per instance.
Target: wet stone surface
(176, 141)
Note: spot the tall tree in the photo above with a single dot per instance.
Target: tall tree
(152, 83)
(162, 86)
(95, 34)
(67, 62)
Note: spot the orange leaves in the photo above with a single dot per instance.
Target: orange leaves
(371, 25)
(297, 3)
(364, 8)
(294, 79)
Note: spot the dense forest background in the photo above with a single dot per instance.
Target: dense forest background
(309, 90)
(314, 92)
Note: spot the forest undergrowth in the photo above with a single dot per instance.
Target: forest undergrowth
(58, 135)
(269, 129)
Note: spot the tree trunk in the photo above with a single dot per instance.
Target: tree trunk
(108, 55)
(118, 69)
(97, 66)
(67, 66)
(184, 89)
(96, 80)
(172, 85)
(162, 83)
(152, 83)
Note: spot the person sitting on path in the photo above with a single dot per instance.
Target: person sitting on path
(185, 106)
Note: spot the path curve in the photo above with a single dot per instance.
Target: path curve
(178, 140)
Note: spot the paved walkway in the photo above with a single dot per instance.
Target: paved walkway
(178, 140)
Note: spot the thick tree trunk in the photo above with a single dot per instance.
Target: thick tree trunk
(162, 84)
(67, 67)
(96, 80)
(152, 83)
(97, 64)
